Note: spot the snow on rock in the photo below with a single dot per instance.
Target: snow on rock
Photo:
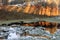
(13, 36)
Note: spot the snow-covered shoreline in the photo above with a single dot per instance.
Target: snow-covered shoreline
(27, 33)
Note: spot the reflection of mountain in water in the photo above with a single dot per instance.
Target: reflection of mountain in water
(49, 26)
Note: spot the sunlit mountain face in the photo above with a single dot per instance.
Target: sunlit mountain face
(39, 7)
(11, 1)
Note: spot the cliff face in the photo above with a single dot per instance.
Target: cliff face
(33, 9)
(5, 15)
(12, 12)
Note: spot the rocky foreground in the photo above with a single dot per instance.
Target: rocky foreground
(27, 33)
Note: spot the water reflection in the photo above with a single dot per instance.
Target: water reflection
(50, 26)
(35, 30)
